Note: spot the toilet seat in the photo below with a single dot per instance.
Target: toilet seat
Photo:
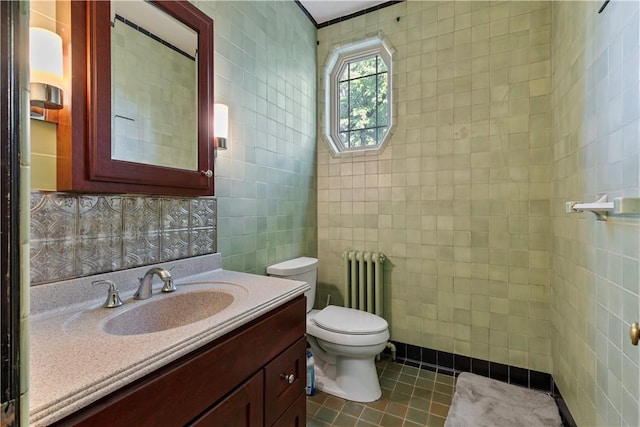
(344, 338)
(349, 321)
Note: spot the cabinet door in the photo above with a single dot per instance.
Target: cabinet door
(296, 415)
(284, 379)
(85, 161)
(242, 408)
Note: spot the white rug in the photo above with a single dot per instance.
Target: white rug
(480, 401)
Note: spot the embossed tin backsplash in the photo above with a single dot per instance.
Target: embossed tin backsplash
(79, 235)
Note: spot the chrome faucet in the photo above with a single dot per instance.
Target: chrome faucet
(144, 290)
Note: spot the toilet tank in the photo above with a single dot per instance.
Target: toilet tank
(304, 269)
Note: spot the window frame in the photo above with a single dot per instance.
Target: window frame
(337, 60)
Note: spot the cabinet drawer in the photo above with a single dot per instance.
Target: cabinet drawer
(279, 393)
(296, 415)
(242, 408)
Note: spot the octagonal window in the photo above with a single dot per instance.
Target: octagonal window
(358, 96)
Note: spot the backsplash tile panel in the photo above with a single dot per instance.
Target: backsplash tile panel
(141, 215)
(81, 235)
(56, 217)
(99, 216)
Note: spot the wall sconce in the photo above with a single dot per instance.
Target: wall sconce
(220, 126)
(45, 56)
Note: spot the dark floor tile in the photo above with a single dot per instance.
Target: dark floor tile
(414, 352)
(334, 403)
(445, 359)
(389, 420)
(445, 378)
(319, 397)
(417, 416)
(499, 372)
(427, 374)
(429, 356)
(400, 397)
(519, 376)
(412, 363)
(312, 408)
(353, 408)
(410, 370)
(401, 350)
(411, 397)
(404, 388)
(422, 393)
(407, 379)
(398, 409)
(312, 422)
(439, 409)
(326, 415)
(344, 420)
(540, 380)
(420, 403)
(435, 421)
(371, 415)
(388, 383)
(444, 388)
(426, 383)
(461, 363)
(480, 367)
(443, 398)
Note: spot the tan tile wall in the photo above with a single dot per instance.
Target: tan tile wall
(459, 199)
(594, 279)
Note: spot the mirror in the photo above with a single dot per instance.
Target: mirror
(154, 77)
(138, 124)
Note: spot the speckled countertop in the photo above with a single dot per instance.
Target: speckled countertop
(74, 362)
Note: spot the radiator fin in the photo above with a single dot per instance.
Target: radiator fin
(363, 281)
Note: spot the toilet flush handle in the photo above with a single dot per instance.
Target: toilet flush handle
(290, 378)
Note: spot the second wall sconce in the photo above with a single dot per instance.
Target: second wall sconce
(45, 61)
(220, 126)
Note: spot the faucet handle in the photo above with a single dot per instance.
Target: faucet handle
(113, 297)
(169, 286)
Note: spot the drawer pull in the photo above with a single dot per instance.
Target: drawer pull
(288, 378)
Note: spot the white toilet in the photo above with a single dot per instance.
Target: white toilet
(344, 341)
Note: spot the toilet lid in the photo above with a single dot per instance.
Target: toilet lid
(349, 321)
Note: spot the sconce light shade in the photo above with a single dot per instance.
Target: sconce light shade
(221, 125)
(45, 56)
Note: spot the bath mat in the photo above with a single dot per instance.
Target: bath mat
(480, 401)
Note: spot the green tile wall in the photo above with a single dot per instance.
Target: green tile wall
(265, 182)
(459, 200)
(596, 146)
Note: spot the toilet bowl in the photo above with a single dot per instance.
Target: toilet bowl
(343, 341)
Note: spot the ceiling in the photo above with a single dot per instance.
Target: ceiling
(326, 10)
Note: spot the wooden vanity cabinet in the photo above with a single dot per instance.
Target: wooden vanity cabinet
(241, 379)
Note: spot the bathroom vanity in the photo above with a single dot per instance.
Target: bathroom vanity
(244, 365)
(231, 379)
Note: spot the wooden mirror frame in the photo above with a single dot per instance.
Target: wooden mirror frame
(84, 162)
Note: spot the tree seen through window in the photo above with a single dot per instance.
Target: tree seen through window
(363, 100)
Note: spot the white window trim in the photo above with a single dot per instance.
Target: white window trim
(338, 56)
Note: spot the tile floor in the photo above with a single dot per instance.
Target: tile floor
(411, 397)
